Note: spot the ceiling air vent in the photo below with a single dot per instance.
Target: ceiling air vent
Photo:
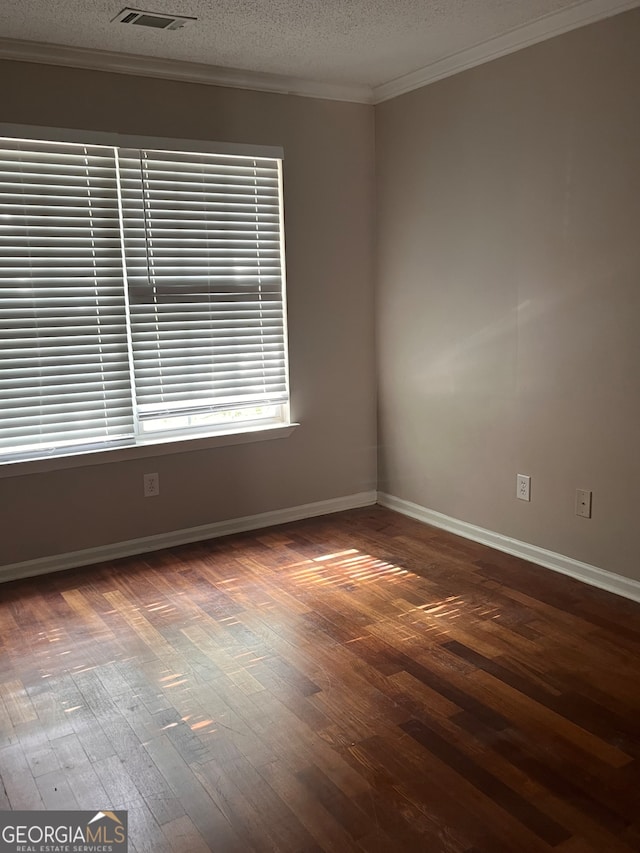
(152, 19)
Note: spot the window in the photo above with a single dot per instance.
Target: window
(141, 294)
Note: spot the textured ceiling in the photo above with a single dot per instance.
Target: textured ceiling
(367, 42)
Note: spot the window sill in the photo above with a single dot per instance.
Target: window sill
(142, 451)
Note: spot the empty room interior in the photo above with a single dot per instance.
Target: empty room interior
(319, 424)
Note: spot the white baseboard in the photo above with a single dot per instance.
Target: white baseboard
(102, 553)
(585, 572)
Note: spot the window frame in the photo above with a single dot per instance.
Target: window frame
(176, 441)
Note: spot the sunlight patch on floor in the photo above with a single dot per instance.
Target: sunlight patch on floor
(348, 567)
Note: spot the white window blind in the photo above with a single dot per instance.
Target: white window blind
(64, 372)
(202, 248)
(141, 295)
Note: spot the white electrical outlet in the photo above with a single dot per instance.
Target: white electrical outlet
(583, 503)
(523, 487)
(151, 485)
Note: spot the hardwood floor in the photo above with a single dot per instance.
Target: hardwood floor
(359, 682)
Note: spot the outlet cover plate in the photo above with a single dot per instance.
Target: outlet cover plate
(151, 485)
(523, 487)
(583, 503)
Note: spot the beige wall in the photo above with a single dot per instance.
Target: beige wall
(328, 175)
(508, 306)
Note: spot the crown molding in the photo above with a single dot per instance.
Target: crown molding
(172, 69)
(554, 24)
